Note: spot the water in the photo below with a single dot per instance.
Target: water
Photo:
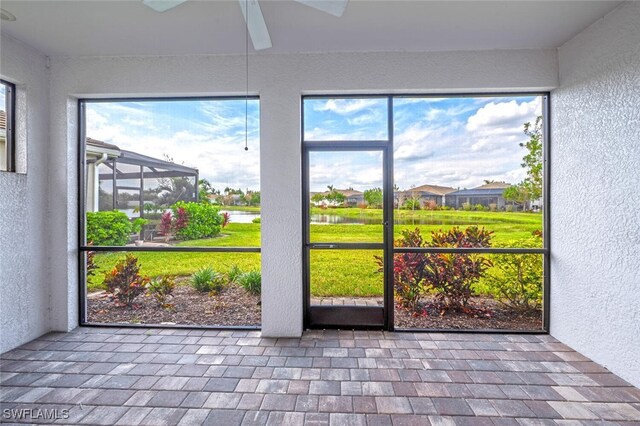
(236, 216)
(332, 219)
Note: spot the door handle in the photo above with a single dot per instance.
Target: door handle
(330, 246)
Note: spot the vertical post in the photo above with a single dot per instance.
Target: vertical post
(387, 205)
(546, 218)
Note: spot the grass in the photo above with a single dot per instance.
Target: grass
(333, 273)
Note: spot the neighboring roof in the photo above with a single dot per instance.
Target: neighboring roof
(478, 192)
(130, 157)
(432, 189)
(494, 185)
(96, 147)
(349, 192)
(345, 192)
(100, 144)
(159, 168)
(488, 189)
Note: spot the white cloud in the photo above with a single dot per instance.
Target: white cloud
(215, 148)
(349, 106)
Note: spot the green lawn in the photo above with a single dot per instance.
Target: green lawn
(333, 272)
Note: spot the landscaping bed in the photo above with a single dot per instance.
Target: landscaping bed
(486, 313)
(233, 306)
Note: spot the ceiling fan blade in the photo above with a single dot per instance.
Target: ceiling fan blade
(255, 23)
(162, 5)
(333, 7)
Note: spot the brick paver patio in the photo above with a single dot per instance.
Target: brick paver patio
(190, 377)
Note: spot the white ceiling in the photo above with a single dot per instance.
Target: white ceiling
(95, 27)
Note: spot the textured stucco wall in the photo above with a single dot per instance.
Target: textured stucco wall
(595, 271)
(24, 282)
(279, 80)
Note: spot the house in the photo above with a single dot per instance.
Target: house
(352, 197)
(424, 194)
(489, 195)
(581, 56)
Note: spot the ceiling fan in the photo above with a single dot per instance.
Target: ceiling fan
(253, 15)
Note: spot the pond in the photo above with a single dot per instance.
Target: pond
(334, 219)
(236, 216)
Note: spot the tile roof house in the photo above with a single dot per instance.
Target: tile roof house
(425, 194)
(488, 195)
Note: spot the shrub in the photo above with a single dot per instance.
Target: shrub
(256, 220)
(196, 220)
(251, 281)
(226, 218)
(166, 223)
(411, 204)
(430, 205)
(124, 281)
(516, 281)
(478, 207)
(91, 262)
(161, 289)
(451, 275)
(408, 268)
(467, 207)
(493, 207)
(109, 228)
(508, 208)
(234, 273)
(207, 280)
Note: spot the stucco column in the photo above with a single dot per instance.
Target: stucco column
(281, 211)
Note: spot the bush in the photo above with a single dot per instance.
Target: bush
(251, 281)
(411, 204)
(161, 289)
(479, 207)
(207, 280)
(91, 262)
(234, 273)
(408, 281)
(430, 205)
(256, 220)
(111, 228)
(516, 281)
(449, 275)
(467, 207)
(166, 224)
(508, 208)
(226, 218)
(193, 221)
(124, 281)
(493, 207)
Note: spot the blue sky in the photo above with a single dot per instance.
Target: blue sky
(208, 135)
(457, 142)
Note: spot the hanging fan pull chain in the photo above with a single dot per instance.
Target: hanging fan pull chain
(246, 97)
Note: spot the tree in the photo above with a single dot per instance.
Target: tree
(373, 197)
(531, 187)
(255, 198)
(205, 190)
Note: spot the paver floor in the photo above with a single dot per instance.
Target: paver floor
(190, 377)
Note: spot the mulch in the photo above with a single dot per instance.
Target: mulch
(485, 314)
(233, 306)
